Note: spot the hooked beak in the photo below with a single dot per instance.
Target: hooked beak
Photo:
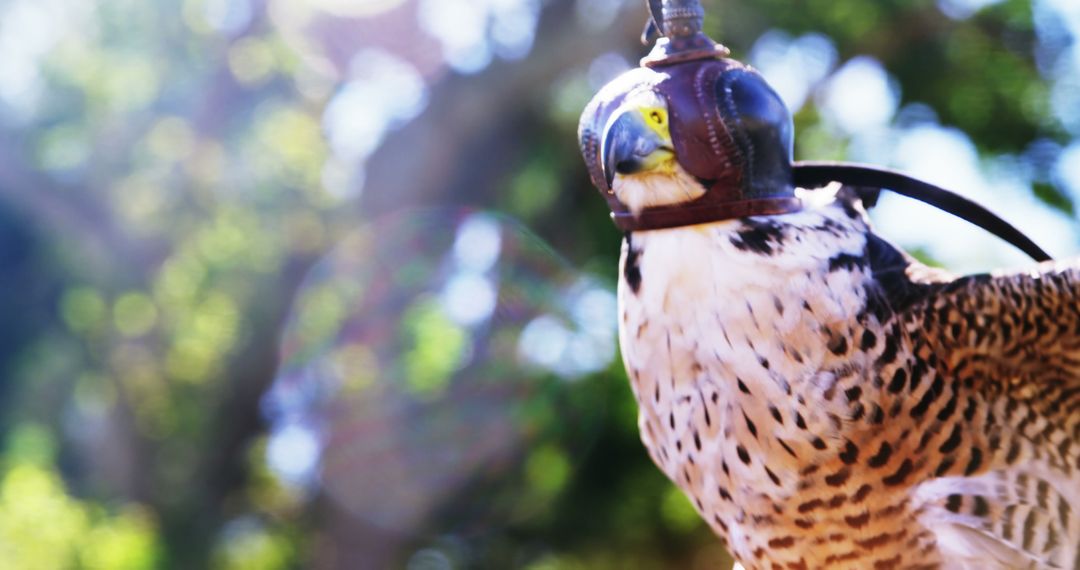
(630, 146)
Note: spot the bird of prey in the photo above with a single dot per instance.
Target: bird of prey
(823, 399)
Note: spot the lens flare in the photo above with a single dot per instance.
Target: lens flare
(431, 354)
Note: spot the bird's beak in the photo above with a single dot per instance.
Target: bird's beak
(630, 146)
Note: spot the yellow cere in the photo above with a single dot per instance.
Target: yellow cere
(657, 120)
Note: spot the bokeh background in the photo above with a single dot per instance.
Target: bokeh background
(322, 283)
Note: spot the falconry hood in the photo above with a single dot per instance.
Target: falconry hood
(731, 132)
(729, 129)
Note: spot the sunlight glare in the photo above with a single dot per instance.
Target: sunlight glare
(1067, 170)
(793, 66)
(543, 341)
(469, 298)
(384, 92)
(228, 16)
(29, 29)
(963, 9)
(293, 453)
(478, 243)
(356, 8)
(860, 96)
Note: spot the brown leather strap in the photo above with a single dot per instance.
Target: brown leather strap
(688, 215)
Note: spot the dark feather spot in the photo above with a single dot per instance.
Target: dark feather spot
(838, 478)
(845, 261)
(928, 398)
(944, 467)
(858, 521)
(785, 542)
(899, 379)
(900, 474)
(947, 411)
(743, 455)
(882, 456)
(758, 237)
(742, 387)
(868, 340)
(1029, 529)
(981, 507)
(969, 411)
(631, 270)
(1014, 452)
(975, 462)
(888, 563)
(925, 440)
(853, 393)
(750, 425)
(953, 442)
(850, 454)
(889, 354)
(787, 448)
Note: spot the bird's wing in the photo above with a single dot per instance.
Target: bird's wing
(1006, 518)
(1013, 324)
(1008, 349)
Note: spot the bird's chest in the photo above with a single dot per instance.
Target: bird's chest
(728, 348)
(743, 399)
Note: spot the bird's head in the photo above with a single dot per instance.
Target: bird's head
(638, 153)
(689, 142)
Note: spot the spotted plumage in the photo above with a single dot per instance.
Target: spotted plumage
(826, 401)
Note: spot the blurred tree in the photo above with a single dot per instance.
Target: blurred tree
(174, 170)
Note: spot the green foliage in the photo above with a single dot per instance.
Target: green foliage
(42, 526)
(254, 549)
(434, 348)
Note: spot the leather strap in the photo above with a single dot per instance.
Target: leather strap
(688, 215)
(868, 182)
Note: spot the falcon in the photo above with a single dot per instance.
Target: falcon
(822, 398)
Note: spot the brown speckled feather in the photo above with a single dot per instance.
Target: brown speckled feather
(825, 401)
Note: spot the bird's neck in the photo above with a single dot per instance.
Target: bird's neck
(665, 187)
